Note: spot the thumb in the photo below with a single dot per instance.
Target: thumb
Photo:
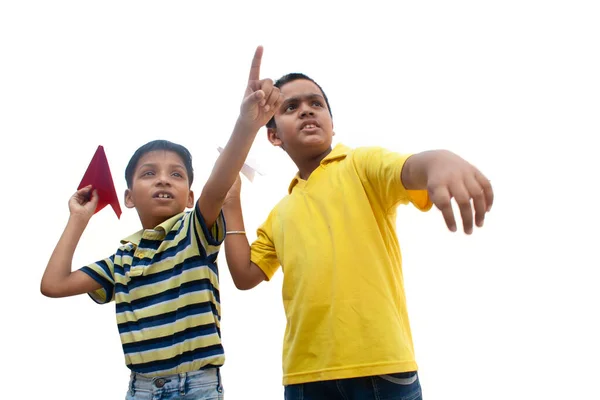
(94, 199)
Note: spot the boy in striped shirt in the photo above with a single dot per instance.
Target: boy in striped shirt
(164, 278)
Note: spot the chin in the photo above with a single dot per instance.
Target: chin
(317, 141)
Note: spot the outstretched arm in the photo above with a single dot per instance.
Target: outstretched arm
(260, 102)
(58, 280)
(244, 272)
(445, 176)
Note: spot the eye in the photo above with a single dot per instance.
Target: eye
(177, 174)
(290, 107)
(148, 173)
(317, 103)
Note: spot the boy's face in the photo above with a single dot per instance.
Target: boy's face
(160, 188)
(303, 124)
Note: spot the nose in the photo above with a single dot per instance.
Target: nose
(163, 179)
(306, 111)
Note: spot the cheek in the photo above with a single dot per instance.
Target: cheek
(286, 129)
(326, 117)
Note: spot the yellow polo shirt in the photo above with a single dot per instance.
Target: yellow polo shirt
(343, 293)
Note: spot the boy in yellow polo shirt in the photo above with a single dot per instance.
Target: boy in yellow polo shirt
(347, 333)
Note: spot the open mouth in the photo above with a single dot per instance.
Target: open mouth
(163, 195)
(309, 125)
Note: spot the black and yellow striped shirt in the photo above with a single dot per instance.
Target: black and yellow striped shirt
(165, 284)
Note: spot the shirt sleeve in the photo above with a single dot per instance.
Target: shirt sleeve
(381, 173)
(262, 251)
(209, 240)
(102, 272)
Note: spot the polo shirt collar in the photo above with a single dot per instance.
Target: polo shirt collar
(339, 152)
(164, 227)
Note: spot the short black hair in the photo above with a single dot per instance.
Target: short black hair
(294, 76)
(157, 145)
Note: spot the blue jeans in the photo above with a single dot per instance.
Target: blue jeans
(198, 385)
(401, 386)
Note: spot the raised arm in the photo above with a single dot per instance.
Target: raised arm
(244, 272)
(445, 176)
(58, 280)
(261, 99)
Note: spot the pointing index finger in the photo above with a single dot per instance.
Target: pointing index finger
(255, 68)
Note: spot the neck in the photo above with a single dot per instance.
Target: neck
(151, 222)
(306, 166)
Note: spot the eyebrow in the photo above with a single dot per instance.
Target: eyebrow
(153, 165)
(302, 97)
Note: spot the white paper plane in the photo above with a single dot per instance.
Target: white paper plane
(250, 167)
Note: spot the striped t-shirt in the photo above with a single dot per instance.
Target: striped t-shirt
(165, 284)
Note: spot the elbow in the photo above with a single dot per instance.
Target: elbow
(245, 283)
(242, 285)
(49, 290)
(214, 195)
(244, 273)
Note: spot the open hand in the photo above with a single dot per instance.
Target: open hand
(449, 177)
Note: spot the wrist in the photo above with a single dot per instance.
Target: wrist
(232, 231)
(78, 220)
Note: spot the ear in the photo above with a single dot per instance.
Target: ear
(129, 199)
(190, 202)
(273, 138)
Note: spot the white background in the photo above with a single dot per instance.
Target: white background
(512, 86)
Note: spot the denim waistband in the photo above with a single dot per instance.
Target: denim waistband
(182, 382)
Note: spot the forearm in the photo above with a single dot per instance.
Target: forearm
(230, 162)
(59, 265)
(416, 168)
(244, 273)
(237, 248)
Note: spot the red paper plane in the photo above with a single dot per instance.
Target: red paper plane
(98, 175)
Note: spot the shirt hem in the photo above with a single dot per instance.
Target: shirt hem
(349, 372)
